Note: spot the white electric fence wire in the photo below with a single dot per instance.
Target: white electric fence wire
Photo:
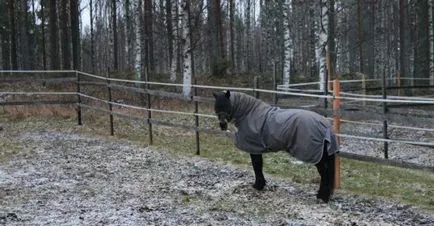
(401, 100)
(390, 125)
(37, 93)
(147, 109)
(431, 144)
(130, 81)
(37, 71)
(388, 97)
(262, 90)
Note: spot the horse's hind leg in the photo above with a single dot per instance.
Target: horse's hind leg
(257, 168)
(326, 170)
(320, 167)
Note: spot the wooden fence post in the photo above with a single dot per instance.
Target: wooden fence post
(78, 99)
(385, 136)
(196, 117)
(337, 128)
(255, 86)
(274, 83)
(364, 87)
(398, 82)
(327, 79)
(109, 90)
(148, 95)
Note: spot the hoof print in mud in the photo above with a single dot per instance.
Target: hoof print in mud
(9, 217)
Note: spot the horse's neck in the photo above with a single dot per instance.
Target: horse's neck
(244, 105)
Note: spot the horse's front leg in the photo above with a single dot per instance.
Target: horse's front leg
(257, 167)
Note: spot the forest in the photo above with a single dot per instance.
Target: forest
(303, 40)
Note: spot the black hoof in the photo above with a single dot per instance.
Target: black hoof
(259, 185)
(323, 196)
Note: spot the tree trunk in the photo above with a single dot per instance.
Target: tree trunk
(149, 43)
(186, 48)
(422, 54)
(370, 42)
(286, 44)
(248, 38)
(44, 52)
(5, 38)
(321, 49)
(232, 35)
(404, 44)
(331, 45)
(169, 30)
(65, 35)
(360, 35)
(115, 36)
(13, 30)
(27, 57)
(216, 47)
(353, 38)
(431, 38)
(31, 38)
(92, 38)
(129, 34)
(54, 40)
(172, 32)
(219, 24)
(75, 34)
(313, 21)
(138, 42)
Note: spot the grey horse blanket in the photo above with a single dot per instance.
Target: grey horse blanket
(264, 128)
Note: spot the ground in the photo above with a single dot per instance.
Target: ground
(54, 174)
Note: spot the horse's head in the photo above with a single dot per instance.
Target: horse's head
(223, 108)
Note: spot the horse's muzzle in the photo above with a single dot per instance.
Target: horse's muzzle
(223, 126)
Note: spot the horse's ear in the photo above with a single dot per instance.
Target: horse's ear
(228, 94)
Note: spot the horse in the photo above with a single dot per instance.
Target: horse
(262, 128)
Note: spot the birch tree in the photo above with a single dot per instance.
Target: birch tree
(321, 48)
(173, 29)
(186, 47)
(129, 34)
(138, 42)
(92, 44)
(286, 44)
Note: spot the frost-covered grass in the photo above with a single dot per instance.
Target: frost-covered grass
(410, 186)
(363, 178)
(55, 172)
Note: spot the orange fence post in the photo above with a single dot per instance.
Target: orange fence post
(337, 129)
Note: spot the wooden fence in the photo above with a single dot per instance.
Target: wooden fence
(81, 79)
